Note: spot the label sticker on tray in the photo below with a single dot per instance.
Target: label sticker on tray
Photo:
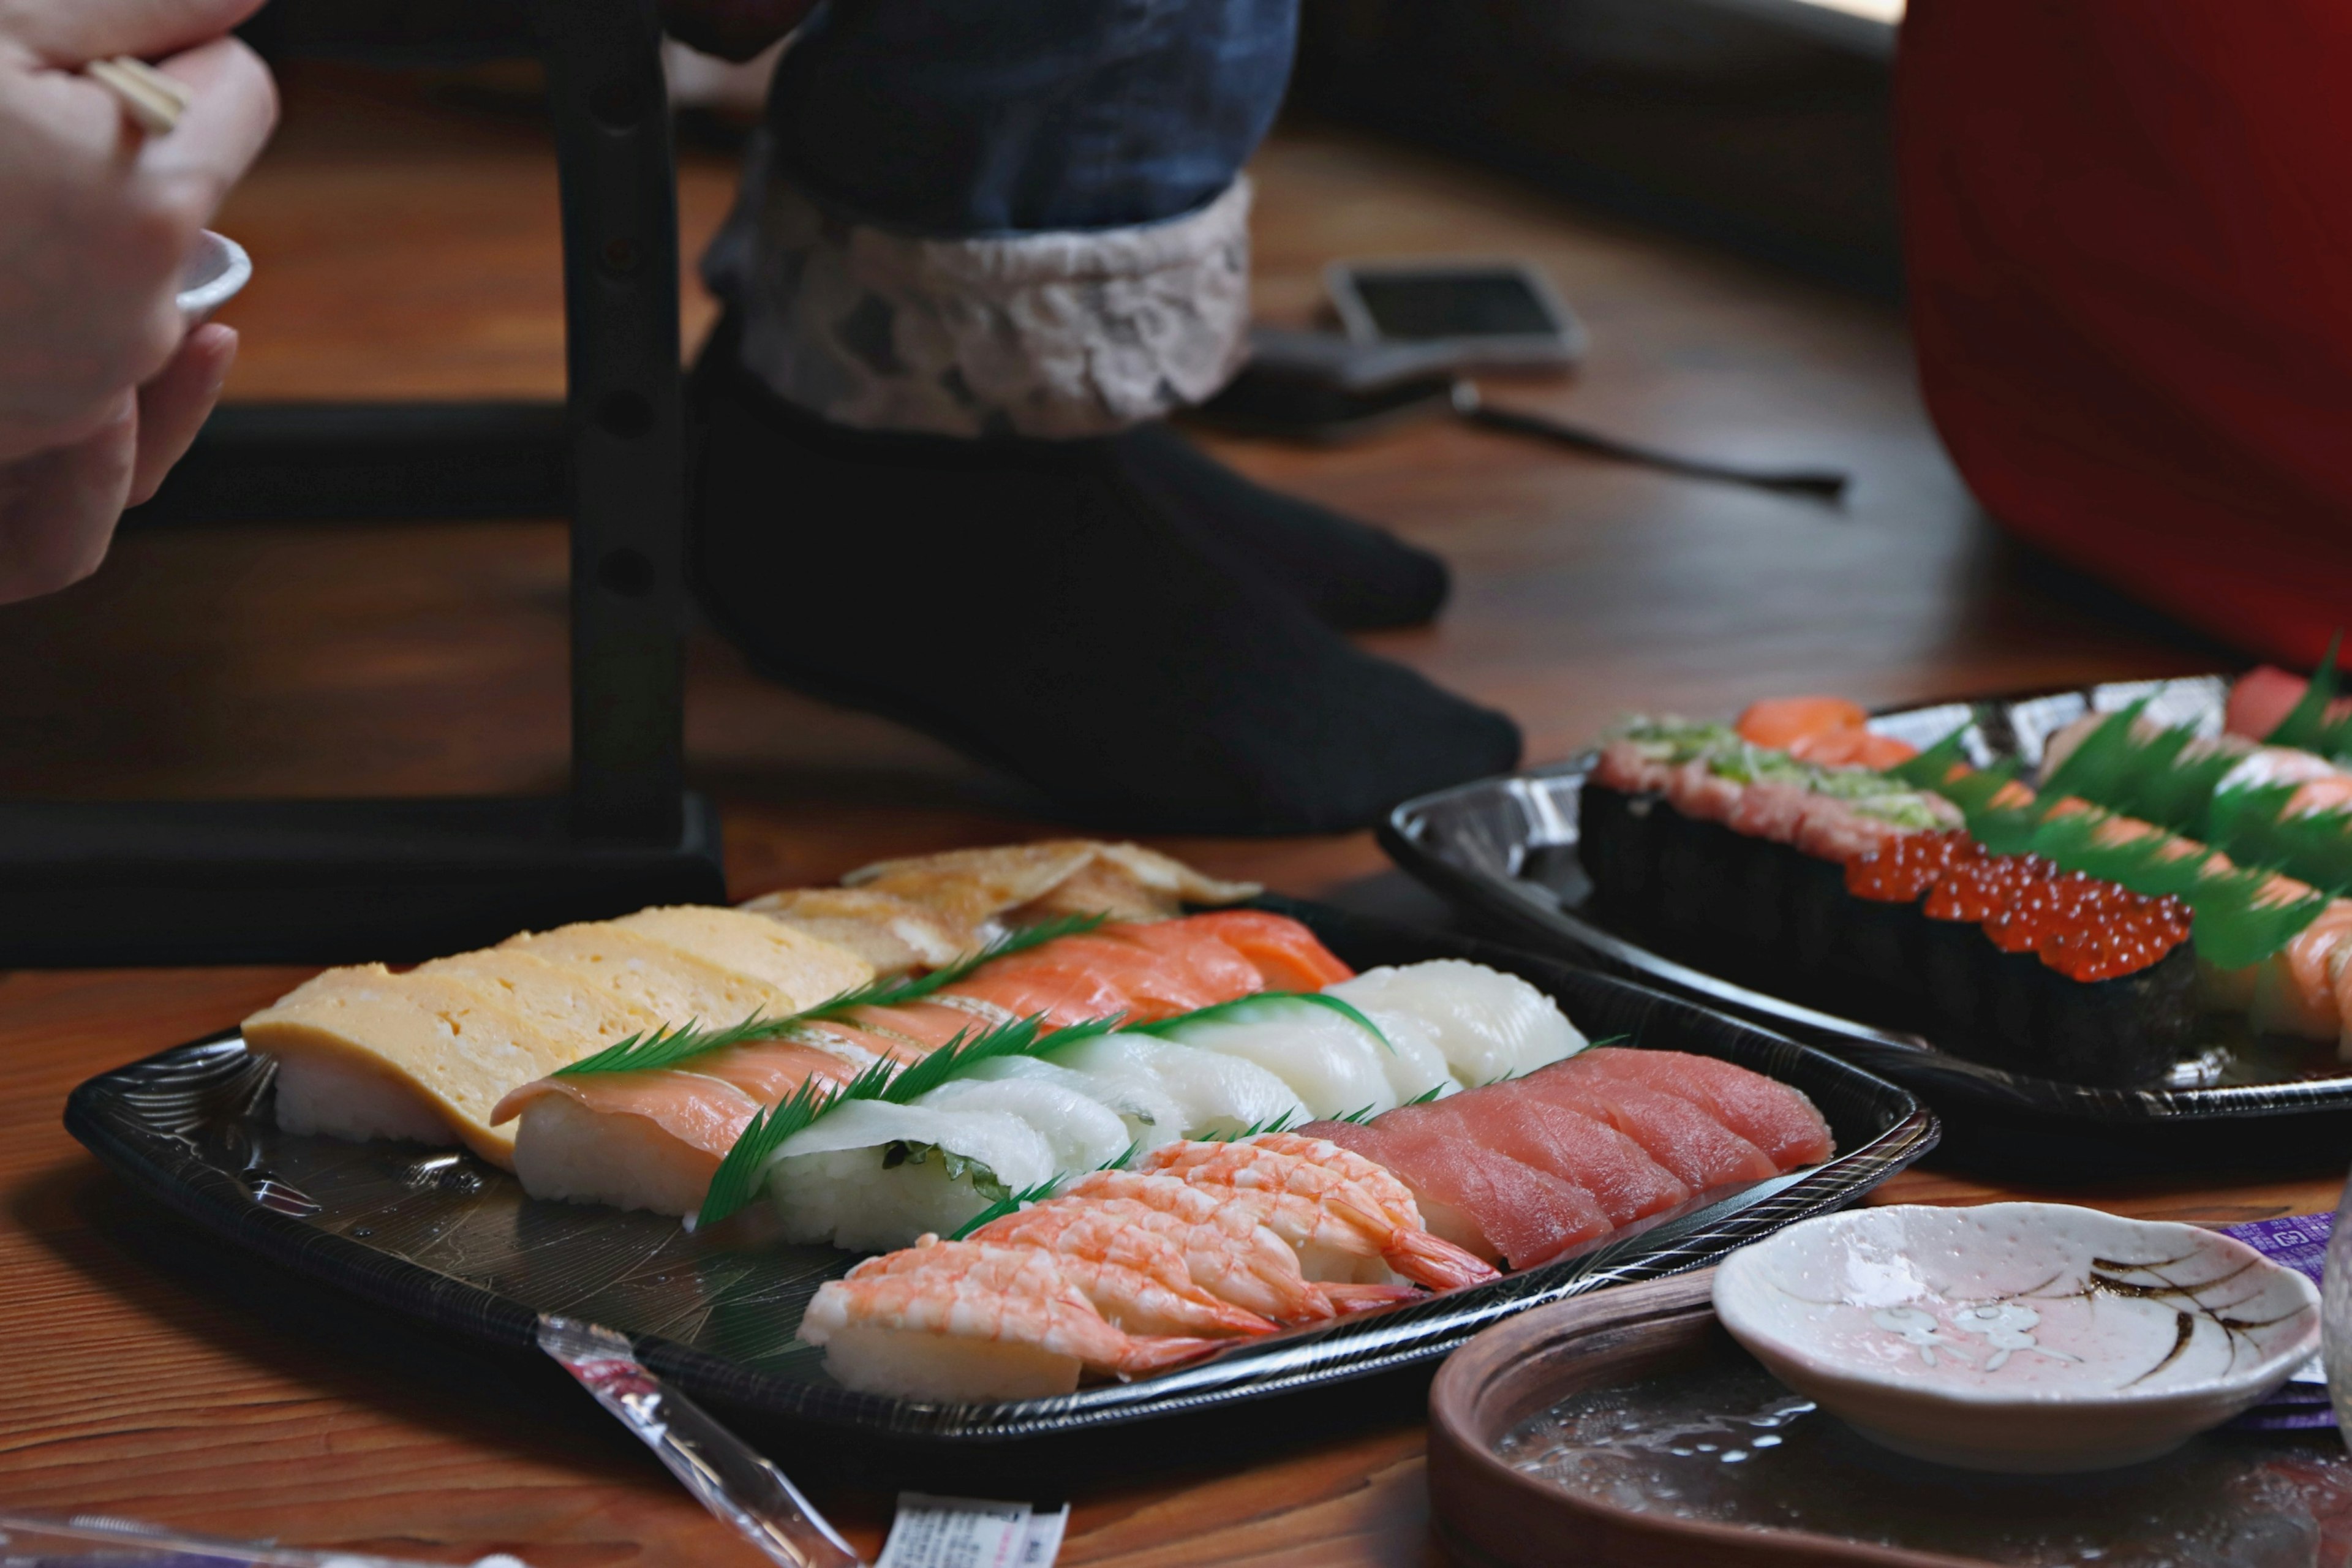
(968, 1532)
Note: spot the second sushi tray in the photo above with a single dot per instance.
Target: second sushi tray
(2099, 930)
(947, 1250)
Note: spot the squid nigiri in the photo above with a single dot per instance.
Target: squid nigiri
(1210, 1094)
(1331, 1056)
(1487, 1024)
(873, 1174)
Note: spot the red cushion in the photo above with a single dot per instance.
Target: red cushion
(2129, 230)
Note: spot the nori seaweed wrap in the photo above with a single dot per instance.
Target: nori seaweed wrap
(1911, 949)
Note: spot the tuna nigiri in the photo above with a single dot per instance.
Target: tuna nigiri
(1699, 1149)
(1768, 1113)
(1491, 1205)
(1628, 1185)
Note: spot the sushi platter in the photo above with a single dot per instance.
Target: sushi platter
(394, 1135)
(2057, 1012)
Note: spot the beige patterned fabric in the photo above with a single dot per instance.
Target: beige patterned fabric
(1057, 335)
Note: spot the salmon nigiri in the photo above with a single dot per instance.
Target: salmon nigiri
(1288, 956)
(1146, 971)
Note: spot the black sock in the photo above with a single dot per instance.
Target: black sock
(1355, 576)
(1021, 602)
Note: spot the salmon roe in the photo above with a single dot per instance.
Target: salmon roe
(1899, 871)
(2083, 927)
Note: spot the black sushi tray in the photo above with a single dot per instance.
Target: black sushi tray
(1503, 850)
(440, 1237)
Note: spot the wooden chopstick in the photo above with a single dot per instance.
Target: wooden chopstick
(154, 102)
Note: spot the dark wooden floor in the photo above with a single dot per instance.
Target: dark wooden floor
(408, 249)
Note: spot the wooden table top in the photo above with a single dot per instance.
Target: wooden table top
(405, 246)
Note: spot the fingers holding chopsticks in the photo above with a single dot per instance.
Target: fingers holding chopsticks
(103, 216)
(231, 108)
(154, 102)
(68, 34)
(122, 125)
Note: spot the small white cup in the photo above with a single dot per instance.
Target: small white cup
(216, 270)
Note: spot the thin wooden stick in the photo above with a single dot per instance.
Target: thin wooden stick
(154, 102)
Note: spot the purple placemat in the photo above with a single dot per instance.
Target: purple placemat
(2299, 1241)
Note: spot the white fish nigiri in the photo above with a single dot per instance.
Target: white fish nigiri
(1487, 1024)
(871, 1174)
(1416, 1067)
(1150, 1113)
(1084, 1134)
(1332, 1058)
(1211, 1093)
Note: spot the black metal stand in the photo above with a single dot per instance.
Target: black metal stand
(321, 881)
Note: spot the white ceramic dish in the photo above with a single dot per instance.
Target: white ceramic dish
(2020, 1337)
(216, 270)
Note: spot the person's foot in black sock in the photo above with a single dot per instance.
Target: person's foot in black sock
(1352, 574)
(1023, 601)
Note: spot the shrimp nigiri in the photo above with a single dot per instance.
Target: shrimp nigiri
(1136, 1278)
(1338, 1228)
(963, 1321)
(1396, 1199)
(1235, 1261)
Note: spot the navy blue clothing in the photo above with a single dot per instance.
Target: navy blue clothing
(965, 118)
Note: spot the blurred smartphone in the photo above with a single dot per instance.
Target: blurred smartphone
(1467, 314)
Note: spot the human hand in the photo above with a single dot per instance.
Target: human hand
(59, 508)
(101, 385)
(732, 29)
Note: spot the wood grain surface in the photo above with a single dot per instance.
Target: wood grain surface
(403, 237)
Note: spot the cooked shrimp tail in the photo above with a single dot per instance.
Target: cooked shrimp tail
(1351, 1299)
(1428, 1260)
(1150, 1354)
